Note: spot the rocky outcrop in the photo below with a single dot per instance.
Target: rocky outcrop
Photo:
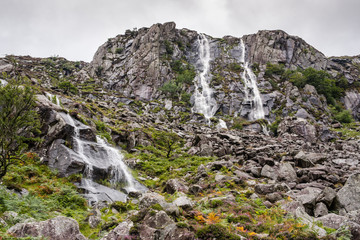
(134, 65)
(279, 47)
(58, 228)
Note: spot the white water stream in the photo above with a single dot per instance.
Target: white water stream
(204, 102)
(99, 155)
(252, 93)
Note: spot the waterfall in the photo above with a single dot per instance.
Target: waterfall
(204, 102)
(252, 93)
(100, 155)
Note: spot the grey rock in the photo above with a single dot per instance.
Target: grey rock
(10, 216)
(122, 231)
(95, 192)
(291, 206)
(269, 172)
(3, 223)
(95, 218)
(305, 159)
(58, 228)
(64, 159)
(332, 220)
(242, 175)
(195, 189)
(305, 218)
(274, 197)
(348, 195)
(327, 196)
(302, 113)
(269, 188)
(184, 202)
(320, 210)
(308, 197)
(287, 172)
(299, 126)
(175, 185)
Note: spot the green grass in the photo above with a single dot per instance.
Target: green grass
(49, 196)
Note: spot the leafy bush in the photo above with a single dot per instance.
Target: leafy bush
(344, 116)
(321, 80)
(171, 89)
(119, 50)
(67, 87)
(169, 48)
(274, 69)
(187, 76)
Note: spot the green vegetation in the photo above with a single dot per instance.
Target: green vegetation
(235, 67)
(103, 131)
(119, 50)
(67, 87)
(165, 158)
(344, 116)
(274, 69)
(169, 48)
(18, 123)
(348, 130)
(185, 75)
(167, 141)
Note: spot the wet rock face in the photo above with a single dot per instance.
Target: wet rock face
(58, 228)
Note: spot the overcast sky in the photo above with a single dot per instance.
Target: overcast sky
(74, 29)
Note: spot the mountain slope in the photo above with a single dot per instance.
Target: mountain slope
(232, 175)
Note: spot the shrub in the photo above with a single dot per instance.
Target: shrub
(119, 50)
(274, 69)
(67, 87)
(171, 89)
(236, 67)
(344, 116)
(187, 77)
(169, 48)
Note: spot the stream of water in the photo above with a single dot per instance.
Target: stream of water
(99, 155)
(252, 93)
(205, 102)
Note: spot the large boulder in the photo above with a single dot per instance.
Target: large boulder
(58, 228)
(175, 185)
(349, 195)
(298, 126)
(305, 159)
(122, 231)
(64, 159)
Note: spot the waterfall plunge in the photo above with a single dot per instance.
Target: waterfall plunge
(203, 96)
(100, 155)
(252, 93)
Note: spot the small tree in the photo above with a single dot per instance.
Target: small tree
(168, 141)
(18, 122)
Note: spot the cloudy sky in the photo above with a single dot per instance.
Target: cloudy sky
(75, 29)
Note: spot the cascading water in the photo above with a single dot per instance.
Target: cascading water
(252, 93)
(100, 155)
(204, 102)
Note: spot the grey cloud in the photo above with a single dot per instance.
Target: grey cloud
(75, 29)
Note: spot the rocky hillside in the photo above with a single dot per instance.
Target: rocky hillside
(291, 174)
